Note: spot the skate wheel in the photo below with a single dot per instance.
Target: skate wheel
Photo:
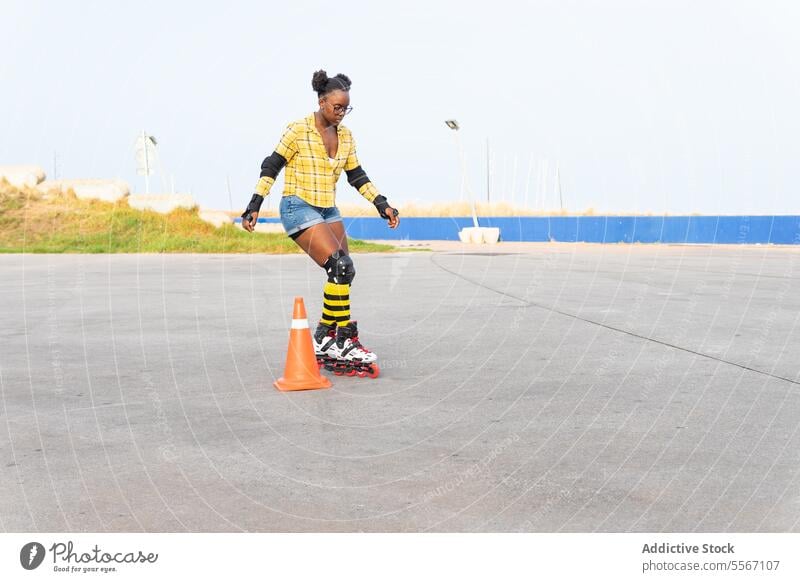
(362, 374)
(351, 372)
(338, 372)
(374, 371)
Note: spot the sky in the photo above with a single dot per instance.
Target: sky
(664, 106)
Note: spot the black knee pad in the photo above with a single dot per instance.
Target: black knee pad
(340, 268)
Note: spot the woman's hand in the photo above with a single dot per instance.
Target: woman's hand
(386, 211)
(250, 225)
(394, 219)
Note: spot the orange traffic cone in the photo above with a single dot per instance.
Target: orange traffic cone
(302, 371)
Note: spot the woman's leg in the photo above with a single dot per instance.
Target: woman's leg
(337, 228)
(320, 242)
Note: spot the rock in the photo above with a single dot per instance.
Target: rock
(161, 203)
(21, 176)
(215, 217)
(107, 190)
(269, 227)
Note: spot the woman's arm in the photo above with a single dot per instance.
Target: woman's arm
(270, 168)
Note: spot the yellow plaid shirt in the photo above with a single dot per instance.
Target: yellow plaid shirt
(309, 173)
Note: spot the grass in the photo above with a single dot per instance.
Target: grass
(33, 222)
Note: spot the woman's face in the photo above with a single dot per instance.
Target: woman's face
(334, 106)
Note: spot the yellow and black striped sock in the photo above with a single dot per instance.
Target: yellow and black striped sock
(336, 304)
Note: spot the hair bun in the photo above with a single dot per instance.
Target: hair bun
(344, 81)
(319, 81)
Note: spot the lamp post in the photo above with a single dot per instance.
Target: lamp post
(453, 124)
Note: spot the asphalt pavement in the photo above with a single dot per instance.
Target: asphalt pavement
(524, 388)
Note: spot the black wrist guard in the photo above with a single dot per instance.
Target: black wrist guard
(382, 205)
(255, 205)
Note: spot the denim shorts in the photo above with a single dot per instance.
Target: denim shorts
(297, 214)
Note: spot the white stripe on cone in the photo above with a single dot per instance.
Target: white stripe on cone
(299, 324)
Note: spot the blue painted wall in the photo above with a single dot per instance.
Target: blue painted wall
(595, 229)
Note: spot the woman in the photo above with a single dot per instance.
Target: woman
(314, 151)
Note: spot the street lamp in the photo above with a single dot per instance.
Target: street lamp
(476, 233)
(453, 124)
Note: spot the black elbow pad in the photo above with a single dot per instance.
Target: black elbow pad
(357, 177)
(272, 165)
